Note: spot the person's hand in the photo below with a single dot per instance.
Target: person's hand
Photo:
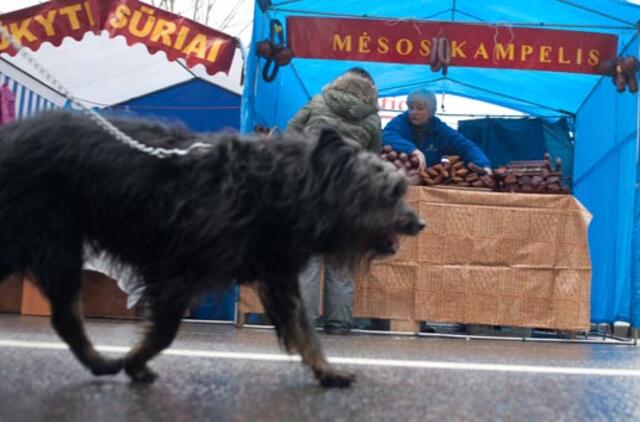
(423, 162)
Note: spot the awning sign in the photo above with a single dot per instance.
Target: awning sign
(472, 45)
(138, 22)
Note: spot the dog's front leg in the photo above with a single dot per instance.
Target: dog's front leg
(284, 306)
(166, 316)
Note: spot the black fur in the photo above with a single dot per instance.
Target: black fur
(244, 210)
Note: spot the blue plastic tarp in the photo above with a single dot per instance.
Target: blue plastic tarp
(199, 105)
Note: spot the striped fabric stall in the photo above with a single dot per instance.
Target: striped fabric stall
(28, 102)
(32, 95)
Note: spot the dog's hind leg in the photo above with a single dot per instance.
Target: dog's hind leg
(59, 275)
(5, 269)
(7, 264)
(284, 306)
(166, 315)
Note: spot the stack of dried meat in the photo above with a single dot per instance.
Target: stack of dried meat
(453, 171)
(401, 160)
(535, 176)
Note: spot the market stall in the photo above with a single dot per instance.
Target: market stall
(543, 58)
(484, 258)
(114, 55)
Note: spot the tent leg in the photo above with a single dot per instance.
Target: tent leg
(604, 330)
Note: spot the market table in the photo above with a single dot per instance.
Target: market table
(487, 258)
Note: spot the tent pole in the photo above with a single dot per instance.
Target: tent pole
(635, 242)
(637, 121)
(624, 48)
(563, 112)
(520, 100)
(547, 25)
(297, 75)
(594, 11)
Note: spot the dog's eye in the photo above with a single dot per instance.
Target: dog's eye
(398, 190)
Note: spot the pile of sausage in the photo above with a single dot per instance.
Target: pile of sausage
(538, 176)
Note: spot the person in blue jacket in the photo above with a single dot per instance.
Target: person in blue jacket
(418, 132)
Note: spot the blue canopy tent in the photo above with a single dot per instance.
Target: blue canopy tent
(203, 107)
(606, 122)
(199, 104)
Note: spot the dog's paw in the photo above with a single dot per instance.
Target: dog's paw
(141, 374)
(336, 379)
(106, 366)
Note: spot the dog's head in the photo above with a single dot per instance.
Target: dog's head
(362, 207)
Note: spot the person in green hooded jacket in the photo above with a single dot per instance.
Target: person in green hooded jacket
(349, 105)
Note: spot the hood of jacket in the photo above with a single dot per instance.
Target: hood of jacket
(351, 96)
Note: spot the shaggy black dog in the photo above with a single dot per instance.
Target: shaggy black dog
(243, 210)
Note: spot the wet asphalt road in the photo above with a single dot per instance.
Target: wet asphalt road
(440, 379)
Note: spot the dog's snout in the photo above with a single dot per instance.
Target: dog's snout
(416, 225)
(411, 224)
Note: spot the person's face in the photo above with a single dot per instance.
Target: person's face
(419, 113)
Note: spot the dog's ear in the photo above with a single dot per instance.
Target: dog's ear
(329, 136)
(328, 140)
(332, 151)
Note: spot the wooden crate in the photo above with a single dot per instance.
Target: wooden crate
(11, 294)
(101, 298)
(33, 302)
